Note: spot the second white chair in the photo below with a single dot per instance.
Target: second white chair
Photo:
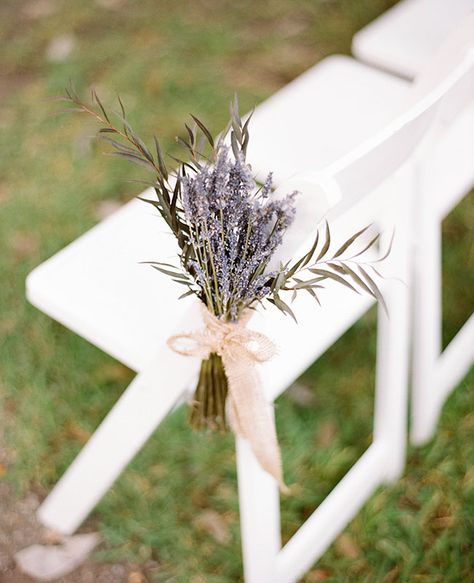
(403, 40)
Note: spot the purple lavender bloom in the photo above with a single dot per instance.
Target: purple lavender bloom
(235, 228)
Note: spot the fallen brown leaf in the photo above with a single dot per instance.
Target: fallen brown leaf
(326, 433)
(301, 395)
(24, 244)
(443, 522)
(136, 577)
(392, 575)
(318, 575)
(113, 372)
(77, 433)
(346, 546)
(214, 524)
(51, 537)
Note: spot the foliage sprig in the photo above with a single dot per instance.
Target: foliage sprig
(227, 227)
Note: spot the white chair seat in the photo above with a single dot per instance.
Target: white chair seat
(78, 286)
(322, 115)
(403, 39)
(333, 107)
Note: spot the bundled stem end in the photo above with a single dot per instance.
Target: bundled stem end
(207, 409)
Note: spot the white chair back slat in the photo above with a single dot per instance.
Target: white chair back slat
(364, 168)
(404, 38)
(368, 165)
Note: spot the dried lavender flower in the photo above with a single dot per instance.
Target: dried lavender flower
(228, 227)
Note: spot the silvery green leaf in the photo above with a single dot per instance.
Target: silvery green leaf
(357, 279)
(134, 159)
(327, 243)
(370, 244)
(330, 275)
(96, 97)
(309, 282)
(350, 241)
(188, 293)
(122, 107)
(204, 130)
(235, 146)
(387, 253)
(284, 307)
(374, 288)
(313, 293)
(159, 157)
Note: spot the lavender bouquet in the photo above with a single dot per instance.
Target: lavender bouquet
(228, 228)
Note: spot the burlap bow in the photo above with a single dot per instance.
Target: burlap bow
(250, 414)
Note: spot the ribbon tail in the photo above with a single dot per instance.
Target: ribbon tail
(251, 416)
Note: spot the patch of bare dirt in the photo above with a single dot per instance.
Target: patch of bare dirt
(19, 529)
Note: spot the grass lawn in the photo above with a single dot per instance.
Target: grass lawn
(176, 505)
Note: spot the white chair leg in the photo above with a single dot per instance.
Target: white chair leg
(393, 351)
(391, 394)
(137, 413)
(456, 360)
(259, 517)
(426, 329)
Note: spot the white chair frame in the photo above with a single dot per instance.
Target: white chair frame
(264, 559)
(404, 38)
(435, 373)
(140, 410)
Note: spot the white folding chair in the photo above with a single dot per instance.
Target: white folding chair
(92, 287)
(436, 372)
(96, 287)
(357, 172)
(402, 40)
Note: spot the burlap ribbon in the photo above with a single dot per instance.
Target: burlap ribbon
(250, 415)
